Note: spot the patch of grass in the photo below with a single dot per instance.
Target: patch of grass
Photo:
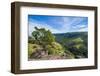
(32, 48)
(78, 46)
(78, 40)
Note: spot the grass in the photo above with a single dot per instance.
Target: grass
(32, 48)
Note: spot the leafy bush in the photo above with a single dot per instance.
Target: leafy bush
(42, 36)
(32, 48)
(55, 49)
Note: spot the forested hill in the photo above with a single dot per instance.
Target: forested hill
(45, 45)
(70, 35)
(75, 42)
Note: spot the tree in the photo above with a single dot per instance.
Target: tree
(42, 37)
(46, 39)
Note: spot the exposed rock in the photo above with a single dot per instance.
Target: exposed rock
(38, 54)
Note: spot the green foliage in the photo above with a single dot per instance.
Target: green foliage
(79, 49)
(75, 42)
(69, 54)
(55, 49)
(30, 40)
(32, 48)
(45, 39)
(42, 36)
(68, 45)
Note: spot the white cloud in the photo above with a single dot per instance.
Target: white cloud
(82, 29)
(70, 24)
(79, 26)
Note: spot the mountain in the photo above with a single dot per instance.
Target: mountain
(75, 42)
(70, 35)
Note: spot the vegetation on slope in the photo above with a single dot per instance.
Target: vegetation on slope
(45, 45)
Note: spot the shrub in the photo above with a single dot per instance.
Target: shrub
(55, 49)
(32, 48)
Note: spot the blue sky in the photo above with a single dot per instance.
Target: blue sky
(58, 24)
